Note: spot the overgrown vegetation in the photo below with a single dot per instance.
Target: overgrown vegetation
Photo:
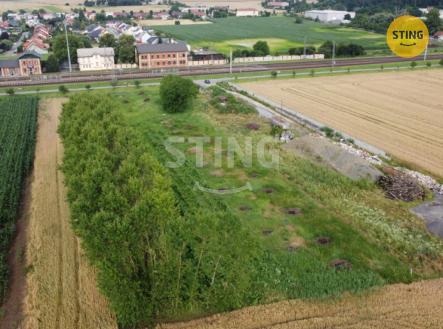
(224, 102)
(18, 117)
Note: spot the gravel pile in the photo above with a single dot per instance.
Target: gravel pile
(373, 159)
(424, 180)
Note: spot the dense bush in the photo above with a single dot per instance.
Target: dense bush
(177, 93)
(18, 117)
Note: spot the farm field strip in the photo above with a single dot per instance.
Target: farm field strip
(400, 113)
(17, 139)
(61, 289)
(396, 306)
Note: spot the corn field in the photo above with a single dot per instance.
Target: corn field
(18, 117)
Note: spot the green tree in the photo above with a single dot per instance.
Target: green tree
(63, 89)
(75, 42)
(126, 49)
(176, 93)
(433, 21)
(326, 49)
(441, 62)
(107, 40)
(261, 48)
(10, 91)
(413, 64)
(137, 84)
(52, 64)
(274, 74)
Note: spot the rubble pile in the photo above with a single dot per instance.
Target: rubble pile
(400, 186)
(424, 180)
(373, 159)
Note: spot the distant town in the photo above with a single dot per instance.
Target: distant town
(86, 39)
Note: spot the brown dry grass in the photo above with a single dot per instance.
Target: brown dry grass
(397, 306)
(61, 287)
(400, 112)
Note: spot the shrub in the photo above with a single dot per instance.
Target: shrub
(176, 93)
(137, 84)
(10, 91)
(88, 87)
(274, 74)
(63, 89)
(413, 64)
(441, 62)
(329, 132)
(428, 64)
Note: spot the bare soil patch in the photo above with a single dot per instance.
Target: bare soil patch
(399, 112)
(398, 306)
(61, 288)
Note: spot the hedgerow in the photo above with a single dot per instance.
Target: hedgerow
(156, 259)
(18, 117)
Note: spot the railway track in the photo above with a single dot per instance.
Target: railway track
(193, 71)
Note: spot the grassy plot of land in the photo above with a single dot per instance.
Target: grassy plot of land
(235, 32)
(380, 238)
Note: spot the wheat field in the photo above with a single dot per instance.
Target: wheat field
(399, 112)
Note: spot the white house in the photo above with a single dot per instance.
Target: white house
(329, 16)
(95, 59)
(245, 12)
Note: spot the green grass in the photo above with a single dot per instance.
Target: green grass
(378, 236)
(281, 32)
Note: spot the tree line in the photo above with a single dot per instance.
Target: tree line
(159, 253)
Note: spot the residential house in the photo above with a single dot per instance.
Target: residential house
(95, 59)
(26, 64)
(439, 36)
(162, 55)
(247, 12)
(329, 16)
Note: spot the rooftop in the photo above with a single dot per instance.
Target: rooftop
(178, 46)
(88, 52)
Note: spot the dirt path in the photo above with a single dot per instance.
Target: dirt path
(417, 306)
(60, 286)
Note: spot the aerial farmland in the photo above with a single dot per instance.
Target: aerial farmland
(398, 112)
(226, 165)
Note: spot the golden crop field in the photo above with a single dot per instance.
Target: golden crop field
(233, 4)
(61, 289)
(399, 112)
(398, 306)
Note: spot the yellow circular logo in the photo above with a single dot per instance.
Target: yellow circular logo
(407, 36)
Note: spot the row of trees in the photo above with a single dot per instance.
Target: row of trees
(159, 254)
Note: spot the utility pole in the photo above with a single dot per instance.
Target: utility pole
(230, 61)
(67, 47)
(333, 53)
(425, 57)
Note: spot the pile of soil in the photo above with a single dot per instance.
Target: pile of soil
(253, 126)
(293, 211)
(340, 264)
(323, 240)
(399, 186)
